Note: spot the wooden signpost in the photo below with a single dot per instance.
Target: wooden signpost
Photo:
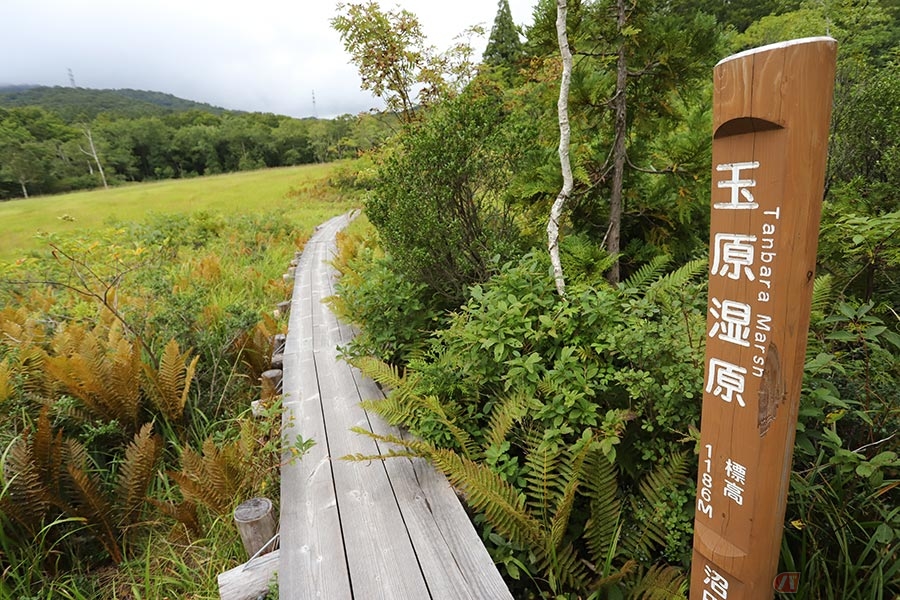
(771, 115)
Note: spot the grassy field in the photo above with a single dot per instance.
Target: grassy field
(21, 221)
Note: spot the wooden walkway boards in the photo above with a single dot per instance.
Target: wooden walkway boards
(384, 529)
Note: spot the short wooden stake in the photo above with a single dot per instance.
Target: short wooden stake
(255, 522)
(278, 361)
(271, 383)
(278, 342)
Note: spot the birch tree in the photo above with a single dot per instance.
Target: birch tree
(93, 154)
(562, 107)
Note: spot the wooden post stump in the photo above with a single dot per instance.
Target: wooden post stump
(271, 383)
(278, 341)
(278, 360)
(255, 522)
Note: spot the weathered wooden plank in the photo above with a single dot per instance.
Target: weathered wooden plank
(453, 558)
(360, 530)
(313, 563)
(381, 560)
(249, 580)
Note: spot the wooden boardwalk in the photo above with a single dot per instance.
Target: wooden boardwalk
(384, 529)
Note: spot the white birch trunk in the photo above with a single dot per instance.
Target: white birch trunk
(93, 154)
(564, 133)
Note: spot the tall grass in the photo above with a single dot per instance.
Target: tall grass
(290, 189)
(203, 267)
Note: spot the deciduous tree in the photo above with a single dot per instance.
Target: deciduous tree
(389, 50)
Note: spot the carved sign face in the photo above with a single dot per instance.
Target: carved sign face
(771, 118)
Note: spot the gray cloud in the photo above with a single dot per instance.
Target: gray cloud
(265, 55)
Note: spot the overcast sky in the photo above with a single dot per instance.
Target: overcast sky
(253, 55)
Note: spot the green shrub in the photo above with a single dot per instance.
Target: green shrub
(394, 314)
(438, 201)
(842, 517)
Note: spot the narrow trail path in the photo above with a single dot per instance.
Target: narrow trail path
(382, 529)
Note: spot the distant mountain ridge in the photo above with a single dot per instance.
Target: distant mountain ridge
(74, 104)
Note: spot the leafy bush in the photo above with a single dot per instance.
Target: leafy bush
(393, 313)
(438, 201)
(577, 358)
(519, 369)
(843, 520)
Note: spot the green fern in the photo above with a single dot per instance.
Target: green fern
(676, 279)
(822, 296)
(603, 528)
(403, 406)
(646, 273)
(660, 582)
(504, 415)
(652, 531)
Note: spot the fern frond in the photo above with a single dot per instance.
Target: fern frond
(204, 479)
(31, 370)
(390, 409)
(603, 527)
(6, 384)
(462, 437)
(544, 477)
(184, 512)
(90, 502)
(642, 277)
(25, 500)
(622, 573)
(676, 279)
(504, 415)
(388, 376)
(563, 567)
(660, 582)
(488, 493)
(485, 491)
(822, 297)
(668, 475)
(359, 457)
(415, 448)
(584, 261)
(105, 378)
(136, 473)
(170, 384)
(575, 475)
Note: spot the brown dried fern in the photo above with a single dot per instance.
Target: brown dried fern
(136, 473)
(170, 384)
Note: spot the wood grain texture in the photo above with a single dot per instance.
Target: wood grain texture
(379, 529)
(771, 115)
(249, 580)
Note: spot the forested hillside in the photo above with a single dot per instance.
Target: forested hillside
(77, 104)
(61, 139)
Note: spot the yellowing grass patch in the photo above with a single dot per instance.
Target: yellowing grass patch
(298, 190)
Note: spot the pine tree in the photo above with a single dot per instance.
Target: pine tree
(504, 46)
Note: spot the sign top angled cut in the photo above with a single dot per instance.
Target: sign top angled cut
(771, 116)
